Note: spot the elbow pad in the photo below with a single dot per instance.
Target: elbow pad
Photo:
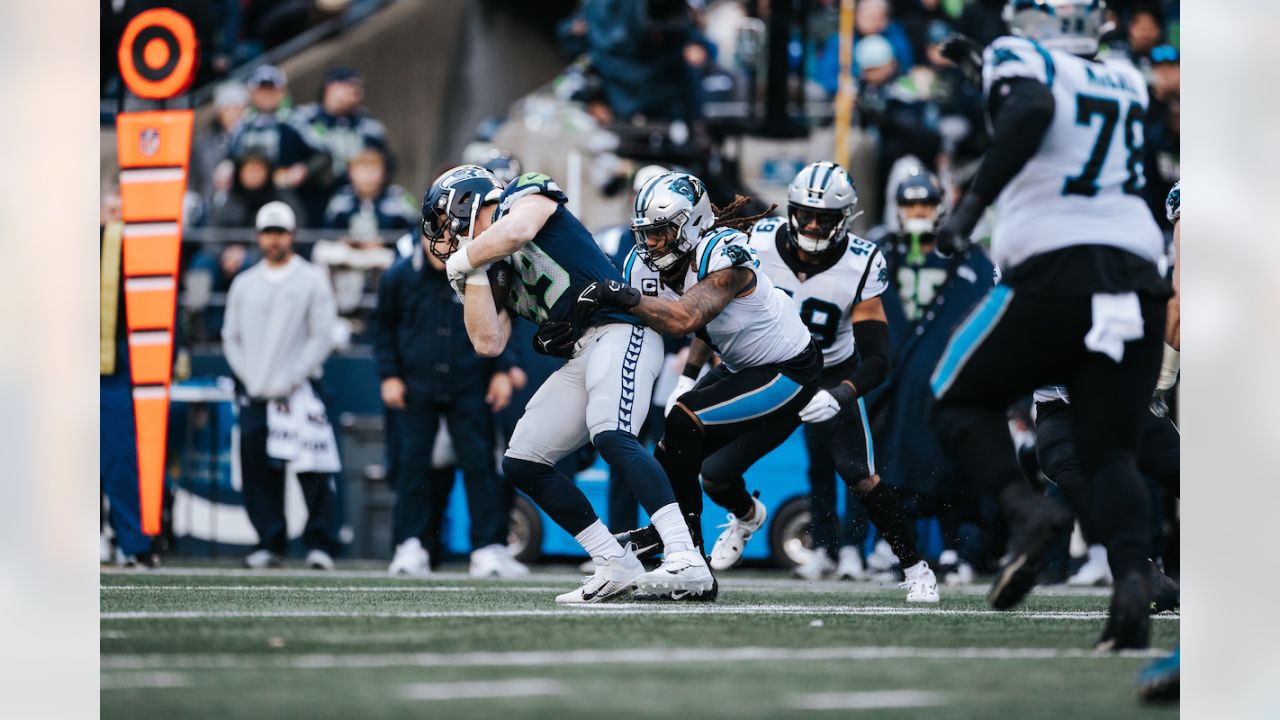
(872, 338)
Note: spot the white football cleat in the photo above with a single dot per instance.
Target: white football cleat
(1095, 571)
(411, 560)
(729, 546)
(613, 577)
(816, 566)
(681, 573)
(587, 566)
(319, 560)
(495, 561)
(953, 570)
(882, 559)
(849, 566)
(261, 560)
(920, 584)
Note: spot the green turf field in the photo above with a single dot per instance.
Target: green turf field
(221, 643)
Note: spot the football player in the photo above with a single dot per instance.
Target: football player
(1081, 301)
(836, 279)
(697, 274)
(601, 394)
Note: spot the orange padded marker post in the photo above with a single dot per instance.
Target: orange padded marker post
(158, 55)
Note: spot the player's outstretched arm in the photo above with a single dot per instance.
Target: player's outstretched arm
(697, 307)
(488, 329)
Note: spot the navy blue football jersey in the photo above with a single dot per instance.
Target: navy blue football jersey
(562, 254)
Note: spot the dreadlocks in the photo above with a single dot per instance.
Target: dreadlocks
(725, 216)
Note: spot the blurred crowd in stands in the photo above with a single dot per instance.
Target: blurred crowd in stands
(630, 63)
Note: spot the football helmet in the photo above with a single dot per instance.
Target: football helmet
(674, 211)
(450, 206)
(823, 193)
(919, 187)
(1072, 26)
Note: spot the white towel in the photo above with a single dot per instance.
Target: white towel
(1117, 319)
(299, 433)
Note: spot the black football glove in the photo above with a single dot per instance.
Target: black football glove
(965, 53)
(953, 236)
(599, 294)
(555, 338)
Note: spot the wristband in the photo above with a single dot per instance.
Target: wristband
(691, 372)
(478, 277)
(459, 263)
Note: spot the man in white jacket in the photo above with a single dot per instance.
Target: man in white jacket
(277, 334)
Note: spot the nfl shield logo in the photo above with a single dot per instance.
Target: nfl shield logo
(149, 142)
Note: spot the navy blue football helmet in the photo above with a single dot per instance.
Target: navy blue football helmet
(450, 205)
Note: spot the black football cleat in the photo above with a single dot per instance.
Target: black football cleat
(1129, 623)
(1166, 594)
(646, 539)
(1037, 525)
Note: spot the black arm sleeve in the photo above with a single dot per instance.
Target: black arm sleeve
(1021, 112)
(872, 338)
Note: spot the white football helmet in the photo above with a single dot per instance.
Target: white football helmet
(674, 211)
(821, 193)
(1072, 26)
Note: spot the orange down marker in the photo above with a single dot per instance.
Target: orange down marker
(158, 57)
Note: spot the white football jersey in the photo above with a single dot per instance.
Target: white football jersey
(1083, 186)
(825, 299)
(759, 329)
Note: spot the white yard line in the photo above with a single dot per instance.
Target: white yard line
(143, 680)
(637, 656)
(475, 690)
(870, 700)
(333, 588)
(606, 610)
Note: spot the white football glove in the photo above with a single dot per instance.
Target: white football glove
(683, 385)
(821, 408)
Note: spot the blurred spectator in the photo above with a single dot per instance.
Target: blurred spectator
(1143, 30)
(251, 188)
(983, 21)
(918, 18)
(648, 54)
(265, 128)
(118, 455)
(430, 373)
(213, 145)
(890, 110)
(1162, 134)
(276, 336)
(871, 20)
(961, 108)
(503, 165)
(368, 204)
(339, 127)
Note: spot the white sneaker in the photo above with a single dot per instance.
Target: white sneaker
(411, 560)
(588, 566)
(1095, 571)
(261, 560)
(954, 571)
(882, 559)
(920, 584)
(849, 566)
(494, 561)
(319, 560)
(106, 552)
(729, 546)
(612, 578)
(681, 573)
(816, 566)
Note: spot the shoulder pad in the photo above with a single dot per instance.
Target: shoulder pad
(1010, 57)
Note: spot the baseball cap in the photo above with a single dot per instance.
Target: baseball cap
(872, 52)
(266, 75)
(342, 74)
(230, 94)
(276, 214)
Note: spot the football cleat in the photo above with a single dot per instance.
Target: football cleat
(1129, 623)
(1166, 594)
(920, 583)
(816, 566)
(1095, 571)
(1158, 682)
(682, 572)
(411, 560)
(613, 578)
(729, 546)
(646, 539)
(319, 560)
(849, 565)
(681, 595)
(1038, 523)
(495, 561)
(953, 570)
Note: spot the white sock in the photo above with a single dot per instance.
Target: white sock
(1098, 553)
(672, 528)
(599, 542)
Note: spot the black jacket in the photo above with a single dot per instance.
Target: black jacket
(419, 335)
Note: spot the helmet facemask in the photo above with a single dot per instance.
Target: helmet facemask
(829, 225)
(446, 225)
(670, 235)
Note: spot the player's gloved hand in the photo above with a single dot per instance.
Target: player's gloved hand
(602, 293)
(953, 236)
(555, 338)
(1159, 404)
(965, 53)
(684, 384)
(826, 404)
